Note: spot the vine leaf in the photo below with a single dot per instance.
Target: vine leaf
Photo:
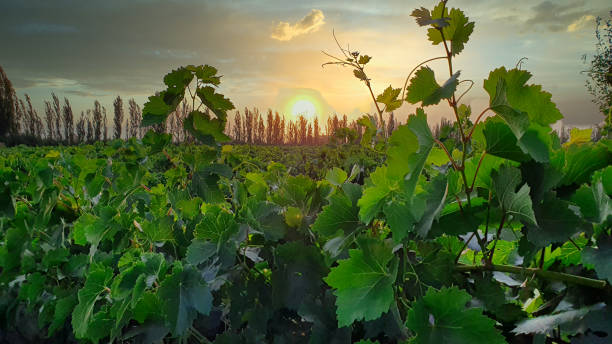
(364, 282)
(457, 31)
(594, 203)
(155, 111)
(441, 317)
(216, 102)
(391, 188)
(517, 204)
(184, 295)
(424, 88)
(423, 18)
(556, 222)
(501, 142)
(533, 138)
(547, 323)
(389, 98)
(600, 258)
(97, 281)
(207, 130)
(342, 213)
(524, 98)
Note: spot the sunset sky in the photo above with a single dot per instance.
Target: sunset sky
(269, 52)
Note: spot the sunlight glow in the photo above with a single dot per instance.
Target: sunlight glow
(304, 108)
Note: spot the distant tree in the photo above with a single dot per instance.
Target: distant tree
(49, 120)
(68, 119)
(599, 71)
(390, 125)
(237, 127)
(8, 101)
(81, 135)
(104, 125)
(57, 116)
(309, 138)
(270, 127)
(97, 121)
(302, 130)
(90, 130)
(118, 119)
(281, 131)
(248, 125)
(33, 121)
(261, 129)
(316, 131)
(135, 118)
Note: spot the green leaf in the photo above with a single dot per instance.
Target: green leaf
(206, 74)
(364, 282)
(522, 97)
(600, 258)
(199, 251)
(518, 204)
(342, 213)
(501, 142)
(63, 308)
(423, 18)
(205, 129)
(155, 111)
(594, 203)
(548, 323)
(293, 217)
(216, 102)
(556, 222)
(457, 31)
(97, 281)
(299, 273)
(184, 294)
(336, 176)
(364, 59)
(442, 317)
(217, 226)
(389, 98)
(424, 88)
(359, 74)
(178, 79)
(436, 192)
(579, 162)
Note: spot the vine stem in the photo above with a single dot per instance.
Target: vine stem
(497, 235)
(450, 157)
(551, 275)
(477, 120)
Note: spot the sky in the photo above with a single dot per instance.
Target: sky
(270, 51)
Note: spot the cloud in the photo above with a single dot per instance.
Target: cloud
(285, 31)
(556, 17)
(41, 28)
(580, 23)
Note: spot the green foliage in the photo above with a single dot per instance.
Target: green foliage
(206, 129)
(489, 232)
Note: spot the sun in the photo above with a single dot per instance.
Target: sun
(304, 108)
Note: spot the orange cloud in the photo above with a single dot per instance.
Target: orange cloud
(285, 31)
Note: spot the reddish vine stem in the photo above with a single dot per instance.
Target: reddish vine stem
(501, 226)
(477, 120)
(477, 168)
(450, 157)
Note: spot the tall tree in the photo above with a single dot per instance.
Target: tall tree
(118, 119)
(68, 122)
(81, 134)
(97, 121)
(135, 118)
(50, 120)
(57, 117)
(237, 127)
(7, 106)
(104, 125)
(316, 131)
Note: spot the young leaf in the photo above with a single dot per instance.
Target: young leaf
(424, 88)
(342, 213)
(364, 59)
(155, 111)
(441, 317)
(216, 102)
(360, 75)
(423, 18)
(389, 98)
(457, 31)
(364, 282)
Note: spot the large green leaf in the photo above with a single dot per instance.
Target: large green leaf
(442, 317)
(364, 282)
(457, 31)
(594, 203)
(424, 88)
(98, 280)
(556, 222)
(155, 111)
(342, 213)
(184, 295)
(501, 142)
(600, 258)
(216, 102)
(207, 130)
(548, 323)
(522, 97)
(515, 203)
